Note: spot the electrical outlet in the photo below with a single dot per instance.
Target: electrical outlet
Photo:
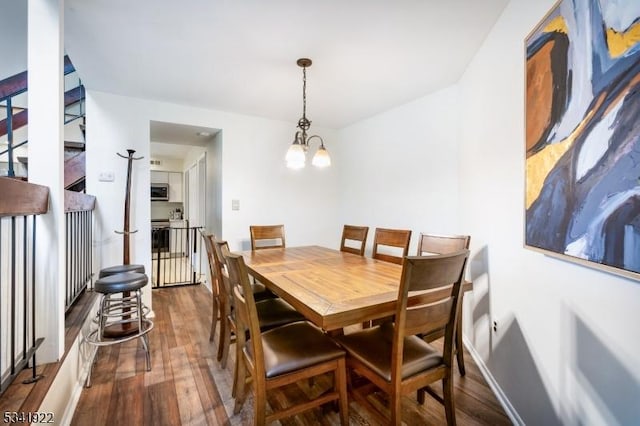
(495, 326)
(235, 204)
(106, 177)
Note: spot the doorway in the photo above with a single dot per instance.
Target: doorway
(178, 160)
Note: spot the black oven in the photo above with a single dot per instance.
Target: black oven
(159, 192)
(159, 236)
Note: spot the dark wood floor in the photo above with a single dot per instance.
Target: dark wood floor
(187, 386)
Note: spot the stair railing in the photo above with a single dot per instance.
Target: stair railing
(78, 213)
(15, 86)
(20, 203)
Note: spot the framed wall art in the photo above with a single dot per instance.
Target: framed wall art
(582, 177)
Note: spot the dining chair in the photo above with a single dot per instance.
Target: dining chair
(281, 356)
(267, 236)
(441, 244)
(392, 357)
(397, 238)
(272, 312)
(357, 234)
(215, 289)
(430, 244)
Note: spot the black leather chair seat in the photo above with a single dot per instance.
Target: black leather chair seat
(372, 347)
(260, 292)
(126, 281)
(295, 346)
(119, 269)
(273, 313)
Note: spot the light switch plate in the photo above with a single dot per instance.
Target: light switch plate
(106, 177)
(235, 204)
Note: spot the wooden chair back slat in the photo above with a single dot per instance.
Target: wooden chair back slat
(354, 233)
(398, 238)
(425, 275)
(441, 244)
(428, 318)
(271, 235)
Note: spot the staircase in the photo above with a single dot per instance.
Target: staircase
(14, 121)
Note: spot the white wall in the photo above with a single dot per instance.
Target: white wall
(214, 180)
(565, 349)
(252, 169)
(13, 34)
(399, 169)
(567, 340)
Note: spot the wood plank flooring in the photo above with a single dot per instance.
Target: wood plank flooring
(186, 385)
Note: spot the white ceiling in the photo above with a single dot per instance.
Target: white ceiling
(181, 133)
(240, 56)
(175, 141)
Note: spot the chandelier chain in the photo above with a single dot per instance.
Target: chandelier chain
(304, 92)
(304, 124)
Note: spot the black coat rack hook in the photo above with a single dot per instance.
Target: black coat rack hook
(130, 151)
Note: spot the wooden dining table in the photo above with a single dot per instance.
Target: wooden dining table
(330, 288)
(334, 289)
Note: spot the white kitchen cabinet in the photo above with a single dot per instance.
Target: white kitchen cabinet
(159, 177)
(175, 187)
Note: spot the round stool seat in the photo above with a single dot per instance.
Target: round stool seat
(118, 283)
(118, 269)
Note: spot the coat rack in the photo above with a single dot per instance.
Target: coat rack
(126, 328)
(127, 203)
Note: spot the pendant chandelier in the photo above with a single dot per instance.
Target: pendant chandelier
(297, 153)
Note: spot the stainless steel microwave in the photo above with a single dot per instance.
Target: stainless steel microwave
(159, 192)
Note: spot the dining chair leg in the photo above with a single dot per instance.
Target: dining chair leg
(238, 375)
(225, 342)
(241, 390)
(395, 402)
(449, 407)
(458, 344)
(214, 319)
(260, 402)
(341, 385)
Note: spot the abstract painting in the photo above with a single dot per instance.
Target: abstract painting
(582, 184)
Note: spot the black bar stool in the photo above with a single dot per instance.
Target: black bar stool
(119, 269)
(127, 313)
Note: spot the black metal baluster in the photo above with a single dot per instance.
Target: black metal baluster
(76, 252)
(195, 250)
(90, 249)
(85, 250)
(1, 316)
(178, 234)
(34, 342)
(67, 244)
(13, 295)
(24, 288)
(10, 147)
(158, 256)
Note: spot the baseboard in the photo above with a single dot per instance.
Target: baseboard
(75, 395)
(493, 384)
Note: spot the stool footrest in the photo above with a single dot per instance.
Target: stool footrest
(94, 339)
